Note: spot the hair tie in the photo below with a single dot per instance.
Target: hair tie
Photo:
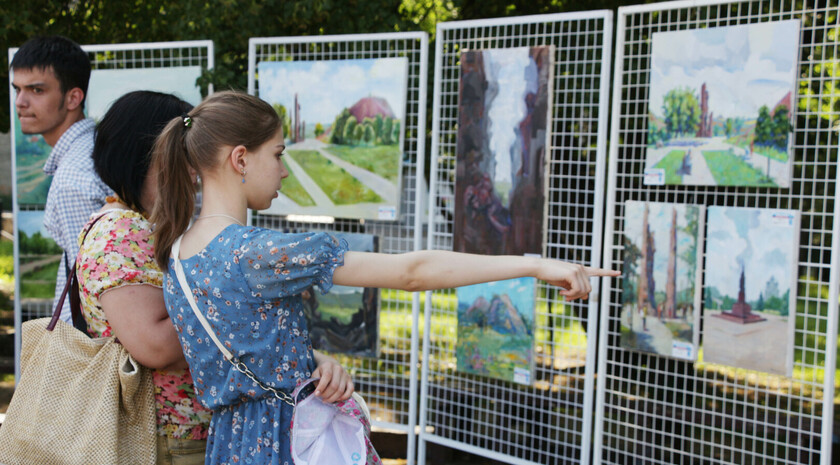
(187, 120)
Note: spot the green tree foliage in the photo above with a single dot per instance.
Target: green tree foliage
(36, 244)
(349, 135)
(284, 117)
(338, 127)
(319, 129)
(682, 112)
(781, 128)
(631, 257)
(387, 129)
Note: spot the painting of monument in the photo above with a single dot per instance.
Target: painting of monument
(720, 105)
(661, 278)
(344, 122)
(30, 152)
(749, 293)
(346, 319)
(496, 329)
(503, 113)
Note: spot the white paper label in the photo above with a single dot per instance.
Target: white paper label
(387, 213)
(521, 375)
(654, 177)
(682, 350)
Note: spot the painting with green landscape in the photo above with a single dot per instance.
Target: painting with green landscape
(39, 257)
(346, 319)
(343, 121)
(496, 329)
(720, 105)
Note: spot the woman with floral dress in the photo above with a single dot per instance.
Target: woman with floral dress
(119, 280)
(248, 281)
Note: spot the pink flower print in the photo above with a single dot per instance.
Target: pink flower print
(273, 250)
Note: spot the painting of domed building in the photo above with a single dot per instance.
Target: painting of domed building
(343, 123)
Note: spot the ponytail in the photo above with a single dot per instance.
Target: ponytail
(176, 191)
(191, 144)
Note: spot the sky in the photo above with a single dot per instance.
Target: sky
(107, 85)
(522, 293)
(763, 239)
(31, 222)
(325, 88)
(513, 74)
(659, 218)
(744, 67)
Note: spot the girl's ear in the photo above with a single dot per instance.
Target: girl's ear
(237, 159)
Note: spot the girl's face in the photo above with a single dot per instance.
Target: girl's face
(265, 172)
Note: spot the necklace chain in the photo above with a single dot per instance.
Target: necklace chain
(220, 215)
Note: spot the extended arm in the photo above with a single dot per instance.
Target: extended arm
(138, 318)
(438, 269)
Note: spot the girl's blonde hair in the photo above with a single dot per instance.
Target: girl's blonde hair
(194, 140)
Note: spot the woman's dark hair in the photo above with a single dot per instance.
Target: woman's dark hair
(124, 139)
(68, 61)
(194, 145)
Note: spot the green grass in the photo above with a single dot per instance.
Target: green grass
(383, 160)
(671, 163)
(44, 273)
(771, 152)
(341, 187)
(728, 170)
(292, 189)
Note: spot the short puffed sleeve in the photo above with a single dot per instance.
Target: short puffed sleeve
(118, 251)
(279, 265)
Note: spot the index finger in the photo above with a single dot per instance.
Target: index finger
(591, 271)
(324, 382)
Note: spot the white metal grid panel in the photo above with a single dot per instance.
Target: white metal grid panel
(102, 57)
(548, 422)
(652, 409)
(389, 382)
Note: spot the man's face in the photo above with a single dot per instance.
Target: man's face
(39, 101)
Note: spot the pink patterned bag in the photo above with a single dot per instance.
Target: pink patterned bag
(331, 433)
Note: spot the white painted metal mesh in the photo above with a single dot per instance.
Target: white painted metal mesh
(549, 421)
(388, 383)
(652, 409)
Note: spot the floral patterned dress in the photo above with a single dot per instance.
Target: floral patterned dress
(248, 281)
(119, 251)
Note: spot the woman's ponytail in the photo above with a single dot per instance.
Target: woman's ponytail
(176, 191)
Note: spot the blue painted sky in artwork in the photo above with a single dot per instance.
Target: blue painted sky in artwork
(659, 218)
(512, 74)
(762, 239)
(31, 222)
(107, 85)
(326, 87)
(521, 292)
(744, 67)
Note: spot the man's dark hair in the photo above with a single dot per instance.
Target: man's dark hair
(124, 139)
(66, 58)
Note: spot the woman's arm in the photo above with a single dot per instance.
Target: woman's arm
(138, 317)
(438, 269)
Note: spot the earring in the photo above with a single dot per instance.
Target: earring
(243, 176)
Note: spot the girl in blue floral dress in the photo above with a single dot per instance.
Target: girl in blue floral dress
(248, 281)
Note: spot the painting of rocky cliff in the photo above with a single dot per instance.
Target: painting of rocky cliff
(343, 121)
(661, 278)
(503, 113)
(496, 329)
(749, 295)
(720, 105)
(346, 319)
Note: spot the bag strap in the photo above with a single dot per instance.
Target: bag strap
(240, 367)
(72, 287)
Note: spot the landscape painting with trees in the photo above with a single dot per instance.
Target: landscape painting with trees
(343, 121)
(661, 278)
(503, 112)
(749, 293)
(496, 329)
(720, 105)
(39, 257)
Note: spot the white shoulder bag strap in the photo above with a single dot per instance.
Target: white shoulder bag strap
(241, 367)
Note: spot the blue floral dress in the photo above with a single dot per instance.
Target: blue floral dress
(248, 281)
